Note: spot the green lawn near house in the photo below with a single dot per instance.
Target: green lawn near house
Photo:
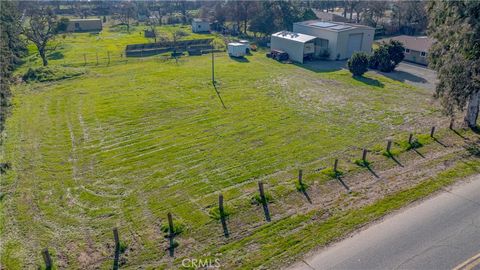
(121, 145)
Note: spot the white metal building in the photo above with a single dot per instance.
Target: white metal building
(199, 26)
(340, 39)
(297, 45)
(237, 49)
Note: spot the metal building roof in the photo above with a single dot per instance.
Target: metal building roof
(294, 36)
(332, 26)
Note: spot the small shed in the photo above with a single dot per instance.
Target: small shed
(199, 26)
(236, 49)
(84, 25)
(298, 46)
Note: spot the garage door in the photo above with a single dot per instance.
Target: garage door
(354, 43)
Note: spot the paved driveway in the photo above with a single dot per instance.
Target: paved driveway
(409, 73)
(413, 74)
(437, 234)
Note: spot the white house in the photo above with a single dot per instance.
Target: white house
(298, 46)
(340, 39)
(199, 26)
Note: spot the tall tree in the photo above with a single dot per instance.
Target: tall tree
(41, 27)
(11, 49)
(455, 55)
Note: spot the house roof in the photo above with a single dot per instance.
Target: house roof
(84, 20)
(200, 20)
(421, 44)
(236, 44)
(333, 26)
(294, 36)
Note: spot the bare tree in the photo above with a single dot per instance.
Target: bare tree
(41, 28)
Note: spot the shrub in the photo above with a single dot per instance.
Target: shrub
(362, 163)
(331, 173)
(215, 212)
(46, 74)
(302, 187)
(257, 199)
(178, 227)
(387, 56)
(396, 51)
(358, 63)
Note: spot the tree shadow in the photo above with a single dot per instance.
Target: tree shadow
(56, 56)
(240, 59)
(219, 96)
(402, 76)
(369, 81)
(322, 65)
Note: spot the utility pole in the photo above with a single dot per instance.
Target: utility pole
(213, 67)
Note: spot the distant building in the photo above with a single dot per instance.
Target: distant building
(199, 26)
(84, 25)
(329, 16)
(416, 48)
(298, 46)
(341, 40)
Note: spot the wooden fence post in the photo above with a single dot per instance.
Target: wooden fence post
(389, 146)
(451, 124)
(170, 224)
(335, 165)
(264, 201)
(364, 155)
(300, 177)
(432, 132)
(222, 215)
(410, 138)
(47, 259)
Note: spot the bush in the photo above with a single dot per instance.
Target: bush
(302, 187)
(387, 56)
(46, 74)
(396, 51)
(215, 212)
(257, 199)
(358, 63)
(178, 227)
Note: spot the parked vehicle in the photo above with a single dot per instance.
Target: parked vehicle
(279, 55)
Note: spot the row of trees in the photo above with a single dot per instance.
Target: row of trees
(12, 48)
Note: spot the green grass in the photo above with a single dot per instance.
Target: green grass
(123, 145)
(276, 245)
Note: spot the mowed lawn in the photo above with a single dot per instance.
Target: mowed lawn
(123, 145)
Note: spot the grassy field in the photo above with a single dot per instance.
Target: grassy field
(122, 145)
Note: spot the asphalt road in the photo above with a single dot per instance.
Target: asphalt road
(440, 233)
